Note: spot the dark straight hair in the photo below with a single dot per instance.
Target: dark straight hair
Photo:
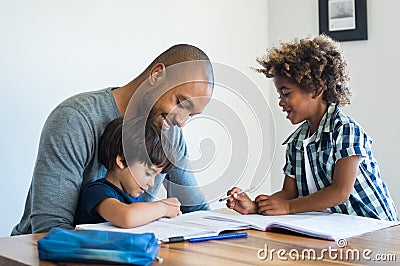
(143, 143)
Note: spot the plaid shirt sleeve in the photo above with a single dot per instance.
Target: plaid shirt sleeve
(288, 168)
(351, 140)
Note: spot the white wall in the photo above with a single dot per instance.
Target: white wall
(50, 50)
(374, 67)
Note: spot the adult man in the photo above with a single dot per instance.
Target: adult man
(67, 157)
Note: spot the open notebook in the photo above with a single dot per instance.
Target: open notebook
(330, 226)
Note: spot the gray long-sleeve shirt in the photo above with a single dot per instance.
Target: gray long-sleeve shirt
(67, 160)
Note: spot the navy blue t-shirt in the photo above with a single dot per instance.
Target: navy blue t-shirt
(93, 194)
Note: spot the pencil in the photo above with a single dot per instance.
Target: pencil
(230, 196)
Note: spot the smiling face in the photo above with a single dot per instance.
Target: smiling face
(180, 103)
(298, 104)
(170, 96)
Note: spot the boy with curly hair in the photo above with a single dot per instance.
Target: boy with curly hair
(329, 162)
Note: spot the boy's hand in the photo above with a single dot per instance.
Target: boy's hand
(172, 207)
(271, 205)
(240, 202)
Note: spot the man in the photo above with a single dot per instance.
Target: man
(175, 86)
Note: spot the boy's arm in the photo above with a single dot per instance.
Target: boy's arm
(289, 189)
(240, 202)
(343, 182)
(136, 214)
(277, 203)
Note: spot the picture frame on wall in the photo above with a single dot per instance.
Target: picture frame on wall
(343, 20)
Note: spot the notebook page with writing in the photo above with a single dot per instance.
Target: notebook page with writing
(208, 223)
(331, 226)
(260, 222)
(197, 219)
(340, 226)
(160, 229)
(187, 225)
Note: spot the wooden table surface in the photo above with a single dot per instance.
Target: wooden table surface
(260, 248)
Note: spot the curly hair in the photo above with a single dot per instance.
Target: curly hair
(316, 65)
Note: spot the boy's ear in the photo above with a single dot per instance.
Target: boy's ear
(157, 73)
(120, 161)
(318, 94)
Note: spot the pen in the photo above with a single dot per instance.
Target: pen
(218, 237)
(174, 239)
(230, 196)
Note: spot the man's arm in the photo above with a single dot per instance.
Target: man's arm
(180, 181)
(182, 184)
(65, 148)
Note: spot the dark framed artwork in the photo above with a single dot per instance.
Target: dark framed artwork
(343, 20)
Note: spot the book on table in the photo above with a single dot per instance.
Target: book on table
(330, 226)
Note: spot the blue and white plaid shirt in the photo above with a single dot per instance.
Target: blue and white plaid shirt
(339, 136)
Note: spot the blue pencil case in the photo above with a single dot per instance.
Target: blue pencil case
(97, 246)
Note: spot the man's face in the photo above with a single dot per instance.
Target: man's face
(180, 103)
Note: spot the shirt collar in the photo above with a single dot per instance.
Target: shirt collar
(325, 125)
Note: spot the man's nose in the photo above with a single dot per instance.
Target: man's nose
(151, 182)
(181, 119)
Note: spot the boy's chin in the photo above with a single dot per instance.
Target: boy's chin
(136, 195)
